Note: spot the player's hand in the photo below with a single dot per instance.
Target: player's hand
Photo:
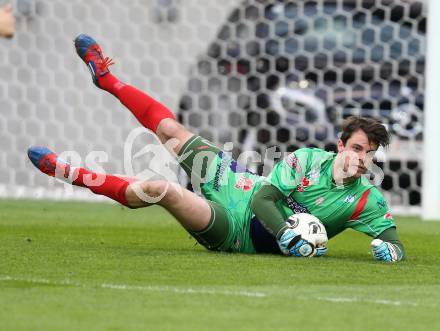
(293, 244)
(384, 251)
(320, 251)
(7, 21)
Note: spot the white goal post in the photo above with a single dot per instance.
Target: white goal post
(431, 170)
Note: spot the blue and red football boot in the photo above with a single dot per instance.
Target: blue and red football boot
(48, 162)
(90, 52)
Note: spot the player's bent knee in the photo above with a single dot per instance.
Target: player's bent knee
(132, 196)
(173, 195)
(154, 191)
(169, 129)
(147, 193)
(161, 192)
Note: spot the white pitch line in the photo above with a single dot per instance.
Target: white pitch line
(337, 299)
(38, 281)
(378, 301)
(181, 290)
(201, 290)
(188, 290)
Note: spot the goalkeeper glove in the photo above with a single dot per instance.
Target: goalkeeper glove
(310, 245)
(320, 251)
(385, 251)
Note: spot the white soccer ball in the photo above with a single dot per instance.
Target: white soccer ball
(307, 224)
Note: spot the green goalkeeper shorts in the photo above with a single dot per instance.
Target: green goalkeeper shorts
(228, 189)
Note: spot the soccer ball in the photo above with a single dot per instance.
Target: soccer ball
(306, 224)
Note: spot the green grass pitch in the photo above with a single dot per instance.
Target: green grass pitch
(84, 266)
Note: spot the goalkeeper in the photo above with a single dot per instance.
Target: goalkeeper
(333, 189)
(228, 219)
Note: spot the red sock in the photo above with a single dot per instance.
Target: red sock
(111, 186)
(148, 111)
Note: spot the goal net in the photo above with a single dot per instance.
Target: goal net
(265, 75)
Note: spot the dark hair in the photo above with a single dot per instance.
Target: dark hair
(374, 129)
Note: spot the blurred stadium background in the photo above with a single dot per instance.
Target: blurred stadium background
(259, 73)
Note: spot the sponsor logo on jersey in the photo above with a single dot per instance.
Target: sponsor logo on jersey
(349, 198)
(293, 162)
(295, 207)
(219, 173)
(244, 183)
(314, 174)
(381, 203)
(305, 182)
(319, 201)
(202, 147)
(388, 216)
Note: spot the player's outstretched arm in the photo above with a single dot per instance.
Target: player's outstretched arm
(387, 247)
(372, 217)
(263, 206)
(290, 243)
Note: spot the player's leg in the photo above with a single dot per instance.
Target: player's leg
(150, 113)
(192, 211)
(207, 221)
(147, 111)
(194, 152)
(111, 186)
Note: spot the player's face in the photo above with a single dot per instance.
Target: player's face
(358, 147)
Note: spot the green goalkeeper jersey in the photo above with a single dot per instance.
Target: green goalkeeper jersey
(305, 179)
(300, 183)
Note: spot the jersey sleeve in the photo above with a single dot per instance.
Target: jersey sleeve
(288, 173)
(371, 215)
